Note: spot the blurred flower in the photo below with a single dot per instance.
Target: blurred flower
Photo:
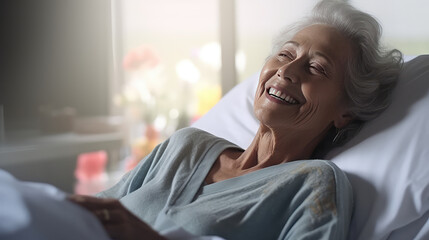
(140, 92)
(210, 54)
(142, 57)
(186, 70)
(207, 97)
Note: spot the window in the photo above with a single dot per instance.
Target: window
(170, 63)
(404, 23)
(171, 53)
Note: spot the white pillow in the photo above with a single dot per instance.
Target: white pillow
(386, 162)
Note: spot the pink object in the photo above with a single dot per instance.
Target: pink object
(142, 57)
(91, 165)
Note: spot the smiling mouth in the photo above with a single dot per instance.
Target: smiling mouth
(282, 96)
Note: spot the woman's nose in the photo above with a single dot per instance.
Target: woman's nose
(289, 72)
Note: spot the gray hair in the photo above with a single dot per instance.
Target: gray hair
(371, 74)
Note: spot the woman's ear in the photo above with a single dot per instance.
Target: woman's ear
(343, 120)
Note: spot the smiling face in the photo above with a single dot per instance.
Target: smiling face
(302, 86)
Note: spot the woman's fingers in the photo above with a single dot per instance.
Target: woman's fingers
(116, 219)
(106, 210)
(93, 203)
(127, 227)
(110, 217)
(120, 231)
(104, 215)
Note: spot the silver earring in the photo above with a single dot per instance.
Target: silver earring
(338, 136)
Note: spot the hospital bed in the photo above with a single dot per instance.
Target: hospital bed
(386, 164)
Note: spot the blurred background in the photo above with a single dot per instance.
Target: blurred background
(88, 88)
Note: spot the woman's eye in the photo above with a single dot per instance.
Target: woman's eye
(286, 55)
(317, 69)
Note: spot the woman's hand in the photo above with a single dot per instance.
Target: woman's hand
(116, 219)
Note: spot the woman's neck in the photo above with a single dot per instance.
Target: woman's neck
(270, 148)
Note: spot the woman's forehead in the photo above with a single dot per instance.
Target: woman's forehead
(324, 40)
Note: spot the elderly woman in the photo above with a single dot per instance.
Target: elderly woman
(326, 76)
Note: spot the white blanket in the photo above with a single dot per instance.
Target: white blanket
(39, 211)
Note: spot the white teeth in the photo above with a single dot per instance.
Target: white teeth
(282, 96)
